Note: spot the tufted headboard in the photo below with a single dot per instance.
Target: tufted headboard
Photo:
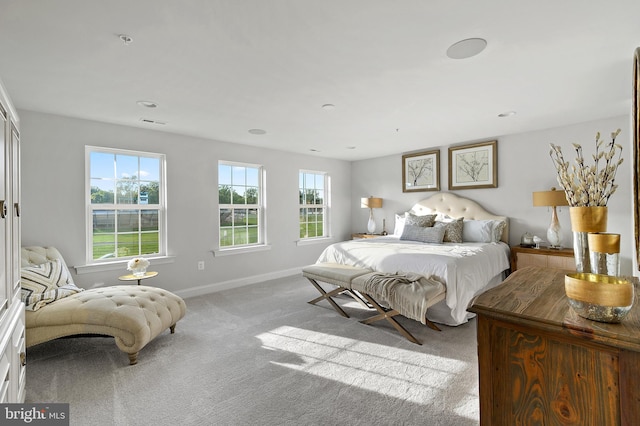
(452, 205)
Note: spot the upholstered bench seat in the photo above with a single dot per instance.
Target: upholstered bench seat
(133, 315)
(369, 287)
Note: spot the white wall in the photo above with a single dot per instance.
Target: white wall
(53, 213)
(524, 166)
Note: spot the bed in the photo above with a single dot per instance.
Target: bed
(466, 269)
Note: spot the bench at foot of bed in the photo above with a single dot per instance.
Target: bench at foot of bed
(357, 283)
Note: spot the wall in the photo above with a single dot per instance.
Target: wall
(53, 213)
(524, 166)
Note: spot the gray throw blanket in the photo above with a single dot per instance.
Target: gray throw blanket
(408, 293)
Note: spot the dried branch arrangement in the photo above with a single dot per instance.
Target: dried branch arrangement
(589, 185)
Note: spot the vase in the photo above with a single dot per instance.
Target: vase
(584, 220)
(139, 272)
(604, 253)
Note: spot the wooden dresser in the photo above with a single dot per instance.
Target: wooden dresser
(543, 256)
(541, 363)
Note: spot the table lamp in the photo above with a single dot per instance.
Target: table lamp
(371, 203)
(552, 199)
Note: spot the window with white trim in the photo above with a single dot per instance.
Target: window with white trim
(241, 204)
(314, 204)
(125, 197)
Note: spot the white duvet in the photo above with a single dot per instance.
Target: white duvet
(466, 269)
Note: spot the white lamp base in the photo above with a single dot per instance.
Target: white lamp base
(554, 233)
(371, 225)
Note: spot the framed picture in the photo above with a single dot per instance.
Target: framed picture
(421, 171)
(474, 166)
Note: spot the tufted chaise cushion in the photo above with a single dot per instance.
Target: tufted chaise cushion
(132, 314)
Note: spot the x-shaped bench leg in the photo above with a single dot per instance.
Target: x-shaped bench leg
(327, 295)
(388, 314)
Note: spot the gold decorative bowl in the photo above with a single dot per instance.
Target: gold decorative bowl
(598, 297)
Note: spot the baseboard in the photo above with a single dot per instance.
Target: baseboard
(240, 282)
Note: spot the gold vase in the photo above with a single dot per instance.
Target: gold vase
(584, 220)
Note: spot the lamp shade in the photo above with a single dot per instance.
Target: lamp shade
(371, 203)
(550, 198)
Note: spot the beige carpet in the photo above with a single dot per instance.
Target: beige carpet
(260, 355)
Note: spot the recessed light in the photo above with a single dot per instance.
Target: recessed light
(257, 131)
(328, 107)
(314, 150)
(507, 114)
(466, 48)
(147, 104)
(351, 147)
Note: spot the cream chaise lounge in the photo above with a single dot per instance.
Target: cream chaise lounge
(132, 314)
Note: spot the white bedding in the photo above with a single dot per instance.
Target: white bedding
(466, 269)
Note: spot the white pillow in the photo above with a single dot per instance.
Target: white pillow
(482, 231)
(399, 225)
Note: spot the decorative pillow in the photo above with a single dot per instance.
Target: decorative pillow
(498, 229)
(46, 283)
(453, 230)
(425, 221)
(423, 234)
(478, 231)
(399, 225)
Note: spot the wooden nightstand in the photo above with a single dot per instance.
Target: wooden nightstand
(361, 236)
(544, 256)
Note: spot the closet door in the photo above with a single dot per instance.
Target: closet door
(5, 244)
(14, 173)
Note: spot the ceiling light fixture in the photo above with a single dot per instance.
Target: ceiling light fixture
(328, 107)
(147, 104)
(257, 131)
(314, 150)
(125, 39)
(466, 48)
(507, 114)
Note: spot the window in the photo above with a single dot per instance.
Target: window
(314, 204)
(240, 198)
(126, 204)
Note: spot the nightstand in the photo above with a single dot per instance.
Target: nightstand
(545, 257)
(361, 236)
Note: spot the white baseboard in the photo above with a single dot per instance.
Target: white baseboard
(240, 282)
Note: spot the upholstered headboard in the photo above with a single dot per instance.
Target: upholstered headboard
(452, 205)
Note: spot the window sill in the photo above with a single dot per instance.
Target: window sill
(240, 250)
(119, 264)
(310, 241)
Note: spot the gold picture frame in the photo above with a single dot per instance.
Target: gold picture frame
(474, 166)
(421, 171)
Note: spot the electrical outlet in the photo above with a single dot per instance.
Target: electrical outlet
(200, 265)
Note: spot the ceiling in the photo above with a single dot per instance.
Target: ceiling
(217, 69)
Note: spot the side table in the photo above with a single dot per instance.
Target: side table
(131, 277)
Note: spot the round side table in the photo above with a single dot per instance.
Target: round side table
(131, 277)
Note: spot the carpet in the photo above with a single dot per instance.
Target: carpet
(261, 355)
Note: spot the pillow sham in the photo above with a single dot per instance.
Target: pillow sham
(46, 283)
(423, 234)
(478, 231)
(426, 220)
(399, 225)
(453, 230)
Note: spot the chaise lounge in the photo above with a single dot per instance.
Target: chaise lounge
(133, 315)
